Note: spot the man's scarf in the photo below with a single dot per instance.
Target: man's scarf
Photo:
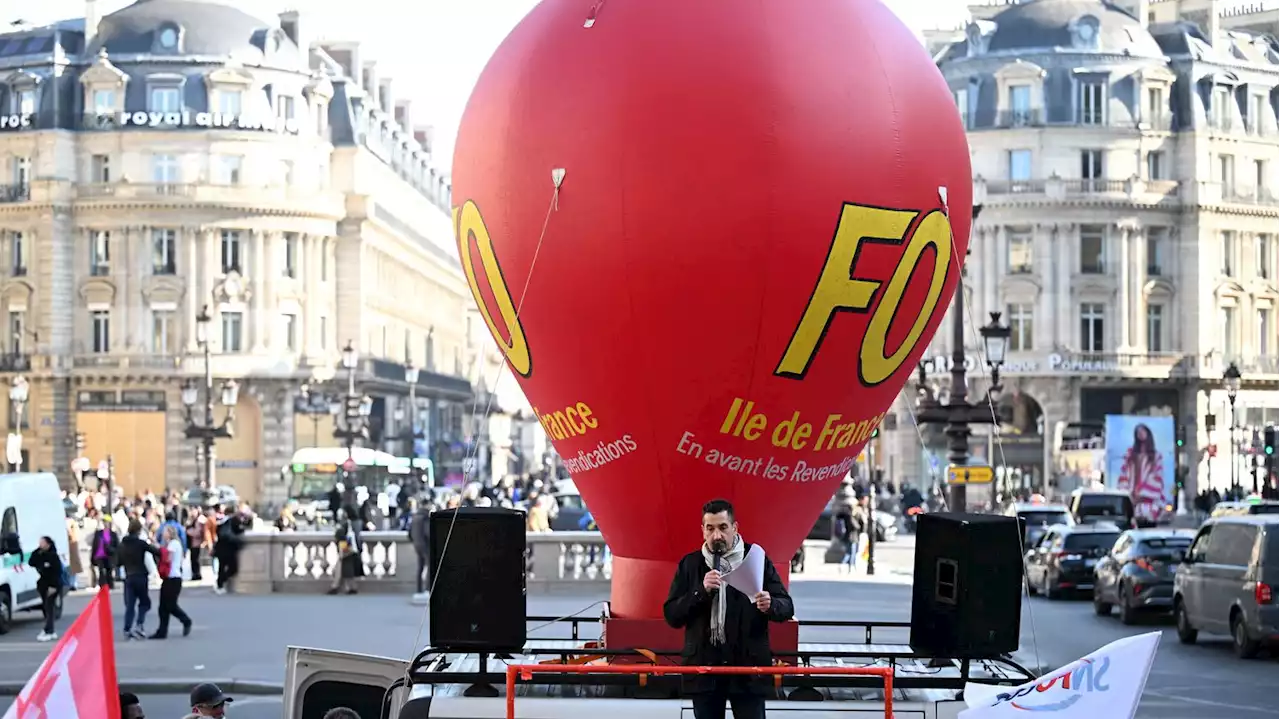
(728, 562)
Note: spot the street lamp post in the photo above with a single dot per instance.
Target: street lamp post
(411, 374)
(18, 391)
(206, 429)
(1231, 378)
(958, 414)
(355, 408)
(316, 404)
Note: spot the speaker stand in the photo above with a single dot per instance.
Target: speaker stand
(482, 689)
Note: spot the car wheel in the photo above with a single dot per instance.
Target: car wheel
(6, 612)
(1246, 647)
(1128, 615)
(1186, 633)
(1100, 608)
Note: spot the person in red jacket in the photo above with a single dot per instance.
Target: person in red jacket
(170, 570)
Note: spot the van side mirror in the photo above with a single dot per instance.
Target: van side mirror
(11, 544)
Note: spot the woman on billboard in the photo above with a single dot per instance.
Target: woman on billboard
(1142, 475)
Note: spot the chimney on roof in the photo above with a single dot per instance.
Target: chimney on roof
(91, 19)
(386, 95)
(291, 23)
(404, 114)
(369, 81)
(424, 134)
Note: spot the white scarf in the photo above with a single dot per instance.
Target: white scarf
(728, 562)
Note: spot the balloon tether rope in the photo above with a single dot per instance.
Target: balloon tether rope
(995, 419)
(557, 179)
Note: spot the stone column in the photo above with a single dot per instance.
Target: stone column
(310, 251)
(1124, 278)
(121, 257)
(260, 322)
(1058, 270)
(991, 278)
(189, 265)
(271, 272)
(1138, 313)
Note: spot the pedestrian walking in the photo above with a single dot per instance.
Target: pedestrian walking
(170, 570)
(102, 553)
(137, 560)
(419, 535)
(44, 559)
(76, 565)
(350, 562)
(130, 707)
(227, 550)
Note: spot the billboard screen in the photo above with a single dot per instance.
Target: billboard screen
(1140, 460)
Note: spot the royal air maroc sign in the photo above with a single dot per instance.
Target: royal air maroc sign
(248, 122)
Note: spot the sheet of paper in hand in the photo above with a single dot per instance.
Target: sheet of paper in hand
(748, 577)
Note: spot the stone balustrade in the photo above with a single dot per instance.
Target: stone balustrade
(304, 562)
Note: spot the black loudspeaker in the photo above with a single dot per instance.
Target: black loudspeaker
(479, 579)
(966, 599)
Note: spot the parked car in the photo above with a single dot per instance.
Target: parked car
(1226, 584)
(570, 509)
(1102, 505)
(1238, 509)
(886, 524)
(1137, 574)
(1063, 560)
(1038, 519)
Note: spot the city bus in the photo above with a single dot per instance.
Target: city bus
(314, 471)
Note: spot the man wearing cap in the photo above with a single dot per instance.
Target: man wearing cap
(207, 700)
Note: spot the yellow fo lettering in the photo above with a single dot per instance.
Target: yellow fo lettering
(469, 227)
(838, 290)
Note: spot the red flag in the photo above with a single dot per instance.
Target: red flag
(78, 678)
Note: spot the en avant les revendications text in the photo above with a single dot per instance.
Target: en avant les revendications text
(743, 420)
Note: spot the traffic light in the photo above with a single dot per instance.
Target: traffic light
(1269, 442)
(1181, 436)
(875, 433)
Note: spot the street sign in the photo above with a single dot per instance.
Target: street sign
(970, 475)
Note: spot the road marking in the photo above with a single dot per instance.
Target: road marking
(1177, 698)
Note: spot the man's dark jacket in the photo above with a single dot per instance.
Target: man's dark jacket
(689, 606)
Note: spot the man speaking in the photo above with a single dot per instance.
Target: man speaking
(723, 626)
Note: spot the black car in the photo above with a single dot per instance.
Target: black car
(1063, 560)
(1137, 574)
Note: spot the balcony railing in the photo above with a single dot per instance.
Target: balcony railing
(1131, 359)
(114, 361)
(1057, 188)
(15, 362)
(1036, 117)
(1251, 365)
(209, 193)
(15, 193)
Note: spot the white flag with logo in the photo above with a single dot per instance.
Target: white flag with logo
(1106, 684)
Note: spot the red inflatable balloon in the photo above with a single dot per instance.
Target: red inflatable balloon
(710, 238)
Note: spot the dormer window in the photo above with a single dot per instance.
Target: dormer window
(1085, 30)
(24, 101)
(168, 39)
(974, 36)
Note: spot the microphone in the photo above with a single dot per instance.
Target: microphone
(718, 549)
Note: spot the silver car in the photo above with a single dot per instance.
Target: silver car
(1226, 584)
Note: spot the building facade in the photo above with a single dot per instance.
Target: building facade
(1125, 159)
(179, 155)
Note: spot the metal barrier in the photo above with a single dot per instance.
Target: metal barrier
(526, 672)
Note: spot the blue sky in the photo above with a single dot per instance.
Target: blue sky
(434, 48)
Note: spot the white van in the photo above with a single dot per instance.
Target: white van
(30, 508)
